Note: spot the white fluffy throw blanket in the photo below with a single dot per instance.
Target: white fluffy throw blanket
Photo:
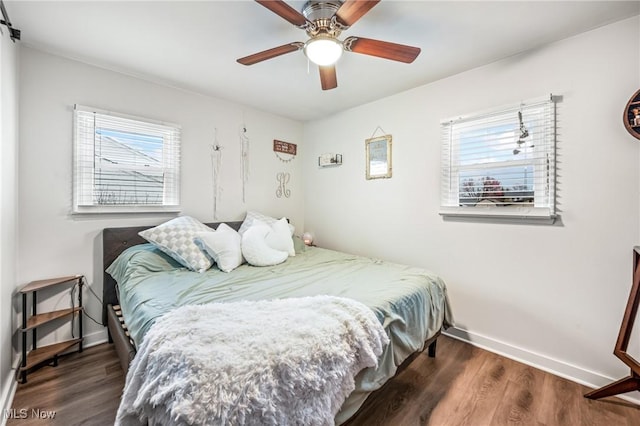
(278, 362)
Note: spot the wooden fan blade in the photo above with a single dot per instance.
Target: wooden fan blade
(271, 53)
(352, 10)
(328, 77)
(381, 49)
(285, 11)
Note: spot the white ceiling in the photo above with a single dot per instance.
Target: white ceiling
(194, 45)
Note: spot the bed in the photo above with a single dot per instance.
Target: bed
(411, 303)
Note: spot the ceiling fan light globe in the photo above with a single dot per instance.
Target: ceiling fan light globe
(323, 51)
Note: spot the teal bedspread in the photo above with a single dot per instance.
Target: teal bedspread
(410, 302)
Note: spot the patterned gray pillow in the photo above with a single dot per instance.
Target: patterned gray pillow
(175, 238)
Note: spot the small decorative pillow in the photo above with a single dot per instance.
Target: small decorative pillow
(279, 238)
(256, 250)
(223, 246)
(253, 216)
(175, 238)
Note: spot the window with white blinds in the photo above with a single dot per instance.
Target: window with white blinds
(124, 163)
(500, 163)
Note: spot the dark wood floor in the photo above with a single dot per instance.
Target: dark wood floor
(84, 389)
(463, 385)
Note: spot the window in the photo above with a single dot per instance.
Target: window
(124, 164)
(500, 163)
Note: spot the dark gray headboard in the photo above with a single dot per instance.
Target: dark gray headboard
(114, 242)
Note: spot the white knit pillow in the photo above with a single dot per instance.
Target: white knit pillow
(256, 250)
(175, 238)
(223, 246)
(280, 237)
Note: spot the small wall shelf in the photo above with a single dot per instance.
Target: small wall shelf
(330, 160)
(37, 356)
(631, 115)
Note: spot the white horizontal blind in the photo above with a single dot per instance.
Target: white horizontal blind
(500, 162)
(124, 163)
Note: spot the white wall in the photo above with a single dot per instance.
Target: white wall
(8, 208)
(564, 314)
(52, 242)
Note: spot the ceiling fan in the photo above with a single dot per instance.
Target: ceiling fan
(324, 21)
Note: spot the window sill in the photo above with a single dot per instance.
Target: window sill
(500, 214)
(100, 210)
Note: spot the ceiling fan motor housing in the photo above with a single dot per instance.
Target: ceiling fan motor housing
(322, 15)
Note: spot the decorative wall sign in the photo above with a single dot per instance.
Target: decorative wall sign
(283, 179)
(631, 115)
(285, 147)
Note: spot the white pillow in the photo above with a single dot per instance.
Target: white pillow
(279, 238)
(256, 250)
(253, 216)
(175, 238)
(223, 245)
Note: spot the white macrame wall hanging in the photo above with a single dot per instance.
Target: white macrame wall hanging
(244, 160)
(216, 165)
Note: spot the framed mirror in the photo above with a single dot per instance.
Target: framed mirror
(378, 156)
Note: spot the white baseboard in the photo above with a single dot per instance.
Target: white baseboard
(96, 338)
(550, 365)
(9, 391)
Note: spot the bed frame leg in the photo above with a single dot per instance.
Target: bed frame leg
(109, 336)
(432, 349)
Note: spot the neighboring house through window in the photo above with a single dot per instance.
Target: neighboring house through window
(124, 163)
(500, 163)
